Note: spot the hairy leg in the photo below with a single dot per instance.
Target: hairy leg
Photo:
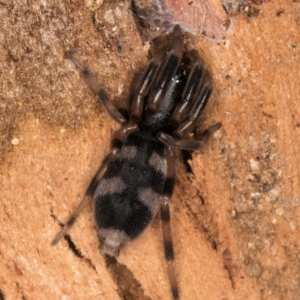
(165, 220)
(99, 91)
(88, 196)
(186, 144)
(193, 84)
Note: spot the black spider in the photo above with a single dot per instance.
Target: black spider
(137, 178)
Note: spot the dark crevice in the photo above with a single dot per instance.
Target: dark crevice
(211, 235)
(201, 198)
(54, 217)
(72, 246)
(192, 215)
(214, 245)
(89, 262)
(2, 295)
(228, 266)
(129, 287)
(210, 239)
(19, 289)
(77, 252)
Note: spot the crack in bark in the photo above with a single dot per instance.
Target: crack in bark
(2, 295)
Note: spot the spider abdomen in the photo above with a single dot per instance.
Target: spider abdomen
(129, 193)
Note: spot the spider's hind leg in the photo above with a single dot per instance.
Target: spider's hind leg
(165, 219)
(88, 196)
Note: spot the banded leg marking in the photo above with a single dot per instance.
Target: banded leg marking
(88, 196)
(100, 92)
(165, 220)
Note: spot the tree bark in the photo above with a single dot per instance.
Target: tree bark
(235, 213)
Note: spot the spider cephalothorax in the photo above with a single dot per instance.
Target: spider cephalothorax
(136, 179)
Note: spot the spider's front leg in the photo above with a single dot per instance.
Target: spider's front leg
(157, 77)
(99, 91)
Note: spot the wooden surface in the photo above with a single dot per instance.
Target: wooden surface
(235, 218)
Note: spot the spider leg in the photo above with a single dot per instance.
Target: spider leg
(71, 220)
(146, 82)
(167, 71)
(122, 133)
(189, 144)
(157, 76)
(84, 202)
(165, 219)
(190, 122)
(137, 104)
(191, 89)
(100, 92)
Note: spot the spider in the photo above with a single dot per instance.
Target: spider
(136, 180)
